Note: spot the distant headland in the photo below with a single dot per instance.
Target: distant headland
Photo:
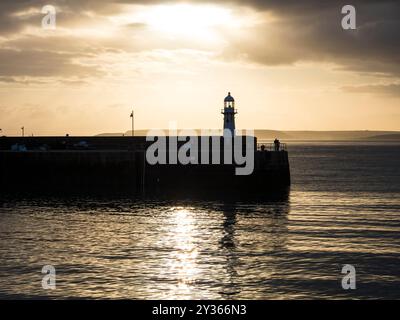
(263, 134)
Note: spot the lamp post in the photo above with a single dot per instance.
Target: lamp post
(133, 132)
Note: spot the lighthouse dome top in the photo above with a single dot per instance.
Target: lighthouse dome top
(229, 98)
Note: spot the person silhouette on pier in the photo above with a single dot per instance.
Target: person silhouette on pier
(277, 144)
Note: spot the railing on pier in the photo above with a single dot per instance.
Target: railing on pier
(271, 147)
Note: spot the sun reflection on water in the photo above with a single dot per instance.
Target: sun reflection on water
(182, 260)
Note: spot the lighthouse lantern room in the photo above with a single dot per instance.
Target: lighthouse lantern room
(229, 112)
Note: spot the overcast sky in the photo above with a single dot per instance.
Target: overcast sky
(289, 64)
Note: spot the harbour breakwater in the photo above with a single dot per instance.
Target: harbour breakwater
(85, 165)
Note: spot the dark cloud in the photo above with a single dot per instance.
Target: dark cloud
(11, 22)
(312, 32)
(69, 12)
(34, 63)
(304, 31)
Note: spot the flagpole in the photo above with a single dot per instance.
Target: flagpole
(133, 133)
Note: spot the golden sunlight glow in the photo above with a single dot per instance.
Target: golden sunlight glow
(187, 21)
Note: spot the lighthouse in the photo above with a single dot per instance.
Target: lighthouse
(229, 113)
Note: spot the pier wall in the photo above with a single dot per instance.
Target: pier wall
(125, 169)
(65, 171)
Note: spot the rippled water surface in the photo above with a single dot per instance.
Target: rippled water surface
(343, 208)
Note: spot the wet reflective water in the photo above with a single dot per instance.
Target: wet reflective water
(343, 208)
